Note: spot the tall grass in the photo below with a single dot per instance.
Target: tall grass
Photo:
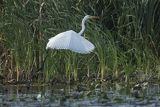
(126, 39)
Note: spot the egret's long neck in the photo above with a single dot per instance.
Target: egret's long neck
(83, 26)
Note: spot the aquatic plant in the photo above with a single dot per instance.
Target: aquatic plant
(126, 39)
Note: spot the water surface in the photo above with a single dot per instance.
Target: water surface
(81, 95)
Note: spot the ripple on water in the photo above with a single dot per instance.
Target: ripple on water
(69, 96)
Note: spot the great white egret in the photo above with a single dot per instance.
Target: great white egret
(72, 40)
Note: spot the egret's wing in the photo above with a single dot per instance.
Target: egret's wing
(80, 44)
(60, 41)
(72, 41)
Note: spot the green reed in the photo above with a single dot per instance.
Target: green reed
(126, 38)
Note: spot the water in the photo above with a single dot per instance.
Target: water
(81, 95)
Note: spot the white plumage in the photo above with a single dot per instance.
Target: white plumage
(72, 41)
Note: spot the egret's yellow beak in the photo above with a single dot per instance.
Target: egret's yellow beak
(94, 17)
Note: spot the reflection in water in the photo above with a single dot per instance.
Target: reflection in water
(80, 95)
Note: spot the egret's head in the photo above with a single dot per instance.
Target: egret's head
(91, 17)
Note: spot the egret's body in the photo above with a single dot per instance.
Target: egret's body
(72, 40)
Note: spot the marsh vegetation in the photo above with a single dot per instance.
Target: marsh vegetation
(126, 37)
